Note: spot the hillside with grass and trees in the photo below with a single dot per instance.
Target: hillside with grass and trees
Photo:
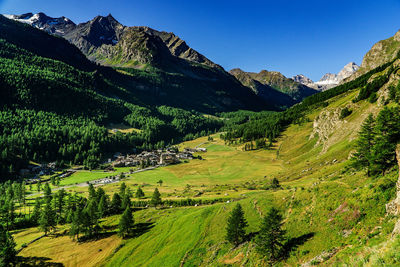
(310, 180)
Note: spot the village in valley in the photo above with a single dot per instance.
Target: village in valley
(145, 160)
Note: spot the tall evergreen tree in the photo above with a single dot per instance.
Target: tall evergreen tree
(122, 189)
(59, 203)
(103, 206)
(8, 253)
(76, 224)
(47, 191)
(126, 202)
(271, 236)
(92, 192)
(236, 224)
(139, 193)
(91, 218)
(126, 223)
(36, 211)
(156, 198)
(116, 203)
(364, 145)
(387, 135)
(47, 220)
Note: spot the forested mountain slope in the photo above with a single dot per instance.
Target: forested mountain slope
(55, 103)
(165, 56)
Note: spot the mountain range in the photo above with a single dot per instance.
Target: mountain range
(329, 80)
(107, 42)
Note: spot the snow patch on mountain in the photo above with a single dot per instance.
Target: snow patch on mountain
(329, 80)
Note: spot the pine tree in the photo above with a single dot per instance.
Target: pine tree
(92, 192)
(103, 206)
(156, 198)
(47, 219)
(139, 193)
(365, 141)
(39, 186)
(235, 229)
(36, 211)
(126, 223)
(116, 203)
(99, 194)
(122, 189)
(387, 135)
(270, 239)
(126, 202)
(76, 224)
(91, 218)
(59, 204)
(7, 248)
(47, 191)
(10, 213)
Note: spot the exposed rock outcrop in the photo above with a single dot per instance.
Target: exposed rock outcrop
(382, 52)
(393, 207)
(324, 125)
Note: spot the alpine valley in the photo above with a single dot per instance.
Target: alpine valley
(123, 146)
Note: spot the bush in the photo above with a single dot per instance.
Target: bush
(345, 112)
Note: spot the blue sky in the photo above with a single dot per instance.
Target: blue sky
(308, 37)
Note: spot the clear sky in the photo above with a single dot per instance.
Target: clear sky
(293, 37)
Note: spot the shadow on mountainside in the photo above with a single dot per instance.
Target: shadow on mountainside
(140, 229)
(293, 243)
(36, 261)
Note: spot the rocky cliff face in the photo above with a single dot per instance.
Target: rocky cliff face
(300, 78)
(275, 80)
(265, 91)
(93, 34)
(382, 52)
(393, 207)
(347, 71)
(98, 39)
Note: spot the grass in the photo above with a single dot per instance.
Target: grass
(325, 205)
(86, 176)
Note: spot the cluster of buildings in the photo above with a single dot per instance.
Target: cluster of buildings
(38, 170)
(155, 158)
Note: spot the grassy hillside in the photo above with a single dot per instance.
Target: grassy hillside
(330, 210)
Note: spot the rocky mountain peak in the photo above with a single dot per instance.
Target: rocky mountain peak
(109, 20)
(396, 37)
(58, 26)
(300, 78)
(329, 80)
(347, 71)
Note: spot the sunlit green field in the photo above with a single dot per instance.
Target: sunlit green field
(326, 206)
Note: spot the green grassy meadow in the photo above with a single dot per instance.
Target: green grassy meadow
(327, 206)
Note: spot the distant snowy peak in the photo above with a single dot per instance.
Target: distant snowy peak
(329, 80)
(44, 22)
